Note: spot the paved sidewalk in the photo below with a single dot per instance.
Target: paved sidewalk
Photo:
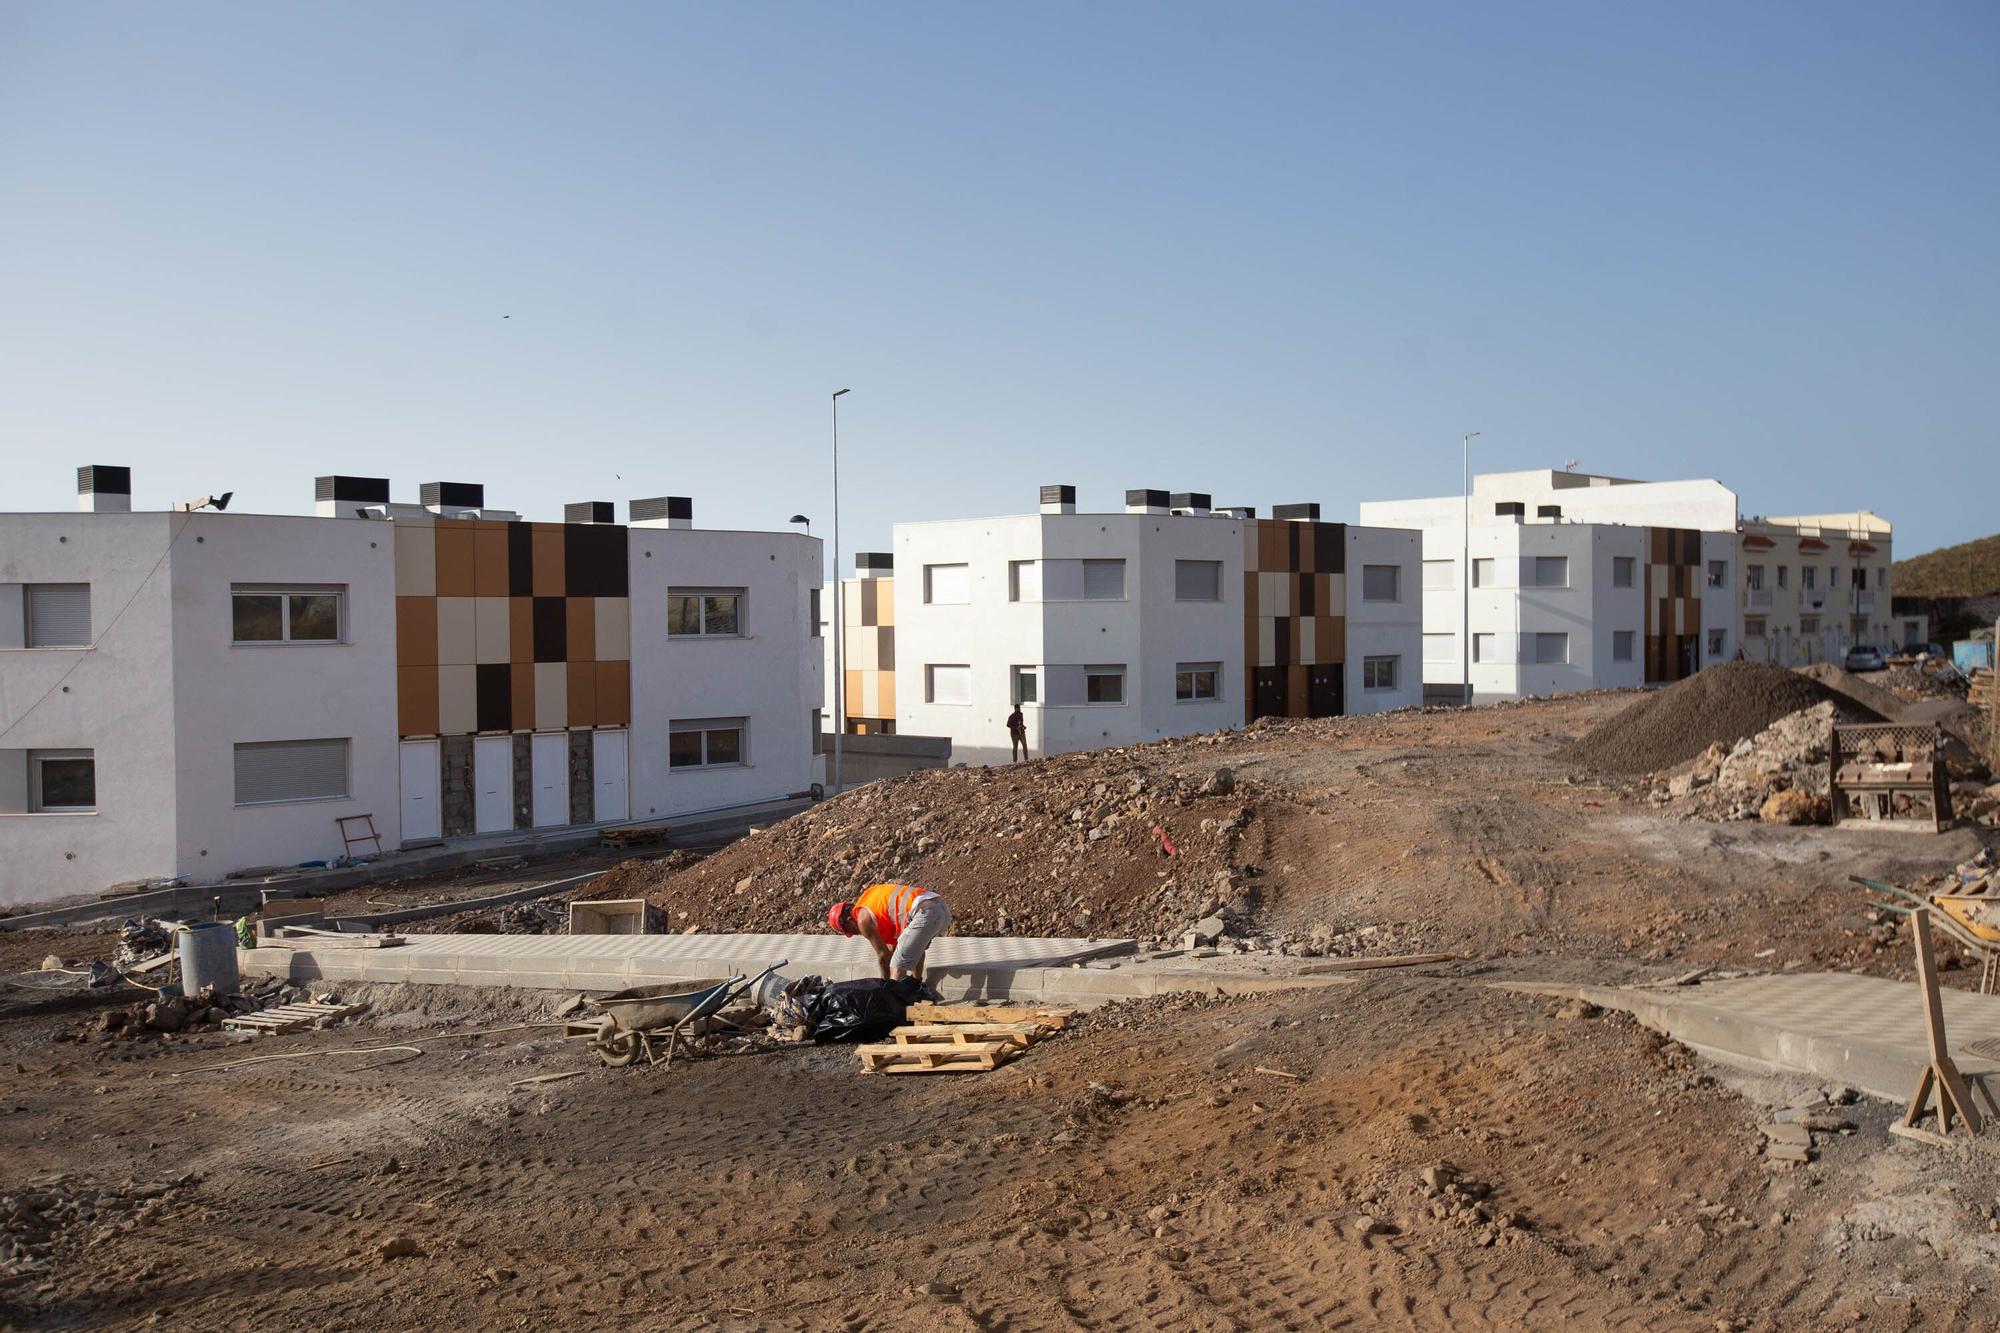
(1035, 970)
(1861, 1031)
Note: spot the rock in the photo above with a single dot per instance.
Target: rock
(53, 963)
(1370, 1225)
(574, 1004)
(1221, 782)
(940, 1289)
(1578, 1008)
(1793, 806)
(1437, 1177)
(398, 1247)
(167, 1015)
(1208, 930)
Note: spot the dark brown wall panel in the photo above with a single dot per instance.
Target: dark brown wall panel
(551, 630)
(520, 560)
(496, 696)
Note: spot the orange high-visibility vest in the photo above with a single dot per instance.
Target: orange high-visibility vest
(890, 905)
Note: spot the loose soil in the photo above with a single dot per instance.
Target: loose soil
(1138, 1173)
(1719, 706)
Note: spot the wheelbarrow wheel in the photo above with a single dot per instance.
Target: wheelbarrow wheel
(619, 1049)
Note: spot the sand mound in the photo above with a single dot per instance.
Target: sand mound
(1719, 706)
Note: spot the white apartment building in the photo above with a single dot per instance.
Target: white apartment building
(1167, 618)
(1815, 585)
(1577, 581)
(192, 693)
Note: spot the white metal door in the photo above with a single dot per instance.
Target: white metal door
(420, 791)
(551, 778)
(607, 767)
(492, 784)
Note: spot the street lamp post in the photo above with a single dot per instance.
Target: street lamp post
(1465, 577)
(839, 617)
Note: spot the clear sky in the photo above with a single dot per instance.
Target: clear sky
(1271, 252)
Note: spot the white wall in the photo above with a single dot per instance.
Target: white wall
(773, 675)
(226, 694)
(115, 699)
(1148, 632)
(1720, 607)
(1384, 629)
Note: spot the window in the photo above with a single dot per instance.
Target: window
(1197, 580)
(1624, 570)
(1440, 575)
(269, 772)
(1808, 624)
(1551, 571)
(818, 725)
(1482, 572)
(1024, 580)
(706, 613)
(1718, 573)
(1718, 643)
(948, 585)
(1381, 583)
(1551, 649)
(1379, 673)
(1104, 580)
(1783, 572)
(1861, 577)
(1027, 685)
(260, 613)
(1195, 681)
(1482, 648)
(1440, 647)
(812, 615)
(1621, 644)
(62, 781)
(949, 684)
(707, 742)
(1753, 577)
(1809, 577)
(57, 615)
(1833, 576)
(1753, 627)
(1104, 684)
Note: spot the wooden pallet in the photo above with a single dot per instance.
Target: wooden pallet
(972, 1057)
(925, 1012)
(288, 1017)
(1018, 1035)
(632, 835)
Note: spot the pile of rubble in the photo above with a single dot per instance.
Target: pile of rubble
(1779, 775)
(1928, 677)
(1104, 843)
(37, 1218)
(170, 1013)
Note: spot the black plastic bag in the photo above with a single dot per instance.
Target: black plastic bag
(864, 1010)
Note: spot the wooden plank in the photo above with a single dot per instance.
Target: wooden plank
(1013, 1034)
(935, 1058)
(926, 1012)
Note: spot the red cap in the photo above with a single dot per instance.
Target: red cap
(833, 919)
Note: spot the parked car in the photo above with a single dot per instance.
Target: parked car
(1863, 657)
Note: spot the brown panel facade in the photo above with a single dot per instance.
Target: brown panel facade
(614, 692)
(520, 629)
(417, 636)
(546, 542)
(489, 561)
(580, 615)
(417, 700)
(523, 695)
(582, 695)
(454, 560)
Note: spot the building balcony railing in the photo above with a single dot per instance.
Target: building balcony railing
(1757, 599)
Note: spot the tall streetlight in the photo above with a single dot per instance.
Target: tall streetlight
(1465, 576)
(839, 617)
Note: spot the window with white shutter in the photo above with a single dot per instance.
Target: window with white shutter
(951, 684)
(1104, 580)
(947, 585)
(1197, 580)
(58, 615)
(270, 772)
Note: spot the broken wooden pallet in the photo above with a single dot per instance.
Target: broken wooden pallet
(289, 1017)
(926, 1012)
(937, 1057)
(1018, 1035)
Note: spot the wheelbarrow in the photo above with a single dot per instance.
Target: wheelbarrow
(634, 1019)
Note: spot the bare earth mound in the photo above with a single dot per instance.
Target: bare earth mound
(1721, 705)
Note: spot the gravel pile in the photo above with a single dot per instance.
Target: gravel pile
(1719, 706)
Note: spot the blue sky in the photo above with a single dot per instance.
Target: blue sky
(1271, 252)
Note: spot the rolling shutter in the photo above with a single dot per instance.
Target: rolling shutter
(58, 615)
(270, 771)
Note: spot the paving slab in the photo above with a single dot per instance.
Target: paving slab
(1865, 1032)
(1050, 970)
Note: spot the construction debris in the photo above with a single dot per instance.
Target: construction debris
(951, 1042)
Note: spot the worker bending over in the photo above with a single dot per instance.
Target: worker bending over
(899, 920)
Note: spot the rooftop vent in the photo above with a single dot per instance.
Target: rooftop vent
(451, 498)
(664, 511)
(590, 511)
(1146, 502)
(1300, 513)
(346, 497)
(104, 490)
(874, 564)
(1189, 502)
(1058, 499)
(1238, 511)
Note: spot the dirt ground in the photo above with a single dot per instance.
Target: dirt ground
(1138, 1172)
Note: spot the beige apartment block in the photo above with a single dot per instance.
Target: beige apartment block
(1815, 585)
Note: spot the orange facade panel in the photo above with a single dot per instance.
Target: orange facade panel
(454, 561)
(417, 700)
(417, 633)
(614, 693)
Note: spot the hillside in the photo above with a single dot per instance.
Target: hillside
(1970, 569)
